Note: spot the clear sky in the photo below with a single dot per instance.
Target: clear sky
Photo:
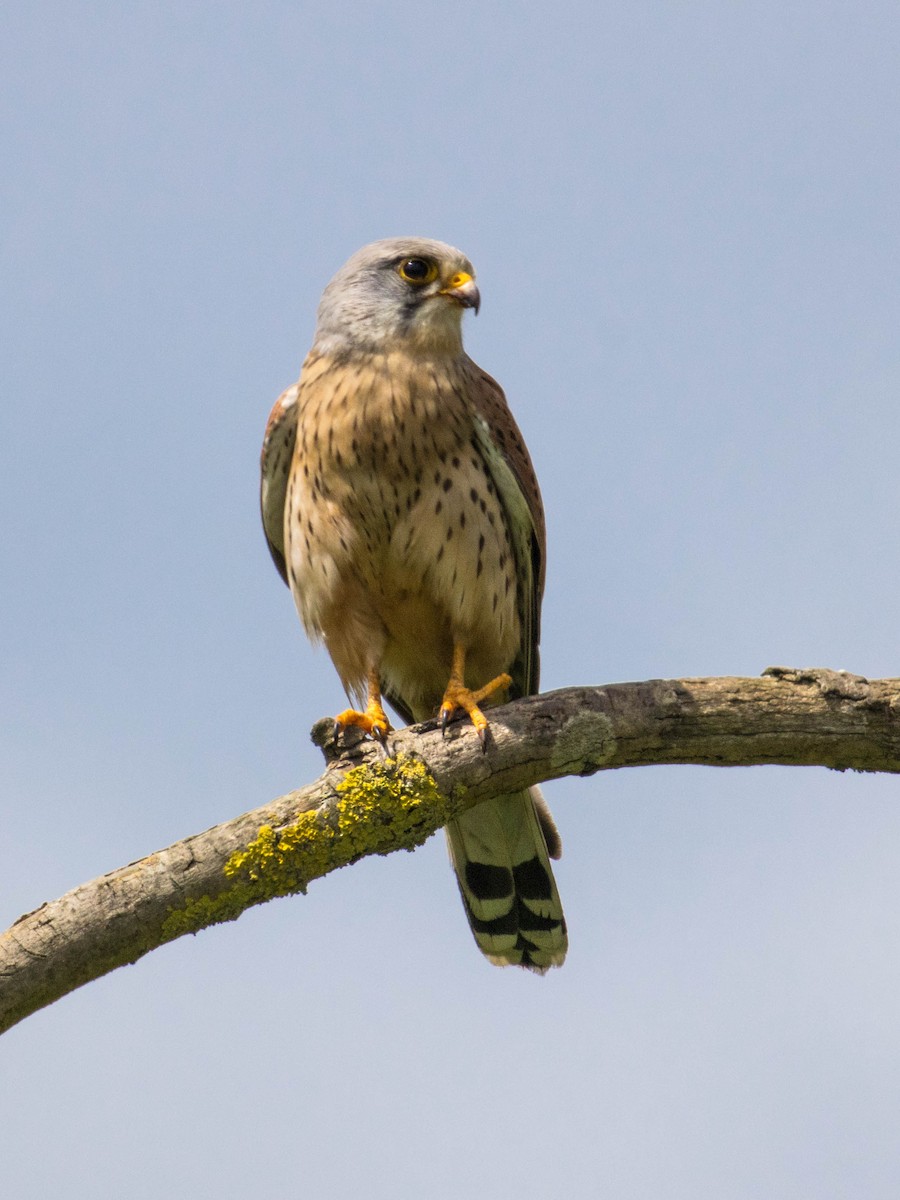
(684, 218)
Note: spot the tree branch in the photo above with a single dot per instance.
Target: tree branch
(369, 803)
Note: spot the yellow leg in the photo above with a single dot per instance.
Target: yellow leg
(458, 696)
(373, 721)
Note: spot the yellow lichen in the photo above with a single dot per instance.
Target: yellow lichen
(394, 804)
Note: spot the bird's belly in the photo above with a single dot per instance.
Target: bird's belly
(426, 608)
(393, 577)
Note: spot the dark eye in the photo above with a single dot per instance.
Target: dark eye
(417, 270)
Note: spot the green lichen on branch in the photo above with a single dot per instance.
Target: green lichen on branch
(392, 805)
(203, 911)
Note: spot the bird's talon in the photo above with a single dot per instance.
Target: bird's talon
(372, 722)
(460, 698)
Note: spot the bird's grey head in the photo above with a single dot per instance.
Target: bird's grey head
(406, 292)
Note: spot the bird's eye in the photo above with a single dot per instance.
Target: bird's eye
(417, 270)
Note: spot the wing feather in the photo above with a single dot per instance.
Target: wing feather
(275, 468)
(506, 456)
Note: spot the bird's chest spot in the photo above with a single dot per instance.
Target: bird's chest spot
(365, 459)
(391, 498)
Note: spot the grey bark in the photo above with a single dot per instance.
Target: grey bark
(789, 717)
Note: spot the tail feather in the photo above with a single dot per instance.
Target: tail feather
(501, 852)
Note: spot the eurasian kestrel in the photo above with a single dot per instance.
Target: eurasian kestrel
(402, 509)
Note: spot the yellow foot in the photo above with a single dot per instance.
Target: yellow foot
(373, 721)
(458, 696)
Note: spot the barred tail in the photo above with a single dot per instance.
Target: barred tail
(501, 853)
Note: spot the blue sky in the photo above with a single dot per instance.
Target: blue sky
(684, 220)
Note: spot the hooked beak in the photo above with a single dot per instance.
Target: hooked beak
(463, 290)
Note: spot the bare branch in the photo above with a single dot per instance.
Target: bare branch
(370, 803)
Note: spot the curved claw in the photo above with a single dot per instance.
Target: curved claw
(380, 734)
(373, 722)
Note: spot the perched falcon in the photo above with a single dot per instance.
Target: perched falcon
(401, 508)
